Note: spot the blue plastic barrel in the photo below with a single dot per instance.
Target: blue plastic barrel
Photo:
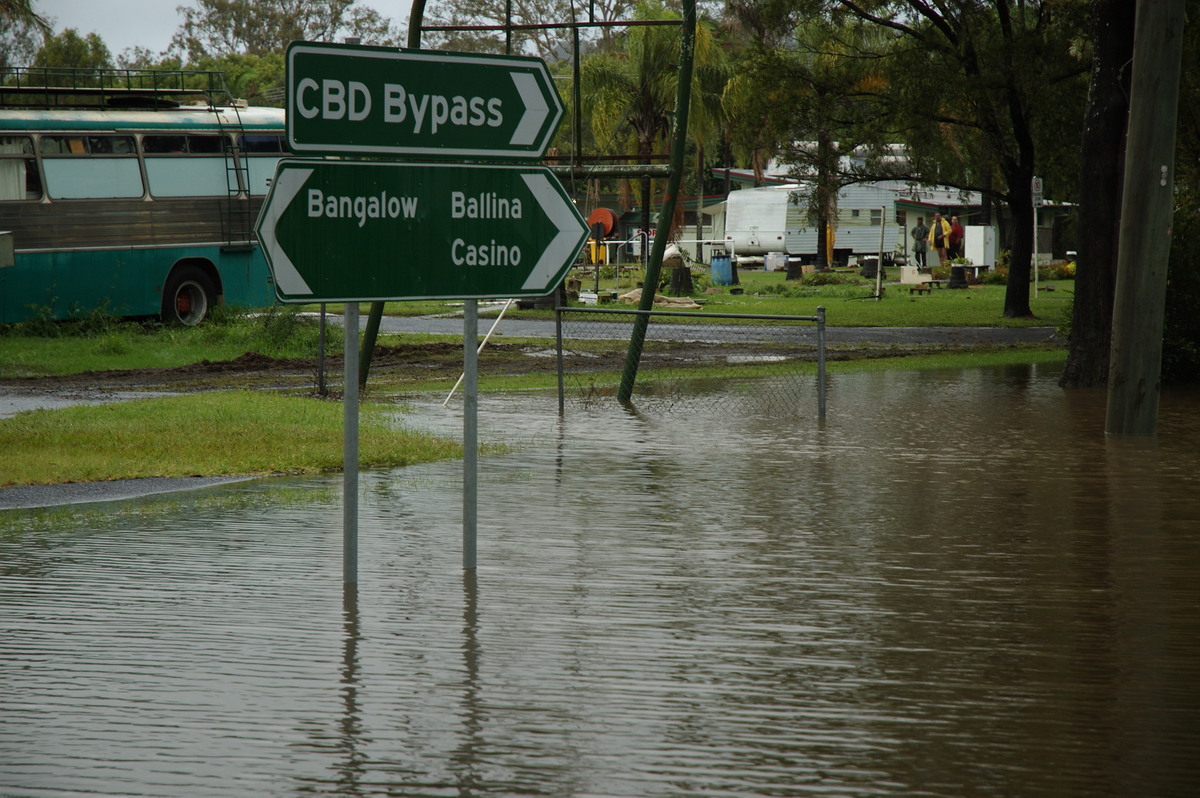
(722, 270)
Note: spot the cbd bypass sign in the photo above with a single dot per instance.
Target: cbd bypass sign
(352, 99)
(337, 231)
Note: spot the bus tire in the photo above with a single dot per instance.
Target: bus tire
(188, 296)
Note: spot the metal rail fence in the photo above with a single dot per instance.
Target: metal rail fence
(708, 360)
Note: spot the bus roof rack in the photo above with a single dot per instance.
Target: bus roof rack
(79, 87)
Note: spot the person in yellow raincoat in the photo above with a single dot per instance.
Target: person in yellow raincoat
(939, 237)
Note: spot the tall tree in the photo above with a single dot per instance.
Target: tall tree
(259, 27)
(827, 122)
(1181, 336)
(632, 92)
(21, 32)
(22, 10)
(552, 44)
(1103, 139)
(706, 123)
(69, 49)
(979, 92)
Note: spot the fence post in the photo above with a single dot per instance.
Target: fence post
(558, 345)
(821, 362)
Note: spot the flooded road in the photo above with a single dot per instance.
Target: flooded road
(954, 586)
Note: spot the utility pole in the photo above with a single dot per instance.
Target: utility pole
(1135, 367)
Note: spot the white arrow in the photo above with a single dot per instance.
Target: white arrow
(286, 186)
(565, 243)
(536, 109)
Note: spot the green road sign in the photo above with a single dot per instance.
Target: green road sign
(383, 101)
(363, 231)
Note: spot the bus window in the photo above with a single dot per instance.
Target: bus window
(262, 152)
(18, 170)
(206, 144)
(260, 144)
(110, 145)
(195, 144)
(164, 145)
(183, 166)
(84, 167)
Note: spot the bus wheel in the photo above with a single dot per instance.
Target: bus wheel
(187, 296)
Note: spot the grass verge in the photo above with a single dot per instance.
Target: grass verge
(208, 434)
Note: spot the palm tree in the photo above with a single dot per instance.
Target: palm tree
(22, 11)
(706, 120)
(631, 93)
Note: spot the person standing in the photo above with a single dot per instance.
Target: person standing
(920, 236)
(939, 235)
(957, 234)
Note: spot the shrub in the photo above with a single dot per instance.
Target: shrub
(827, 278)
(1057, 270)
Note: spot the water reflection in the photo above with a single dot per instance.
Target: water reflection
(352, 767)
(954, 586)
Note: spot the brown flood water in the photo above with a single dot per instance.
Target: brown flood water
(955, 586)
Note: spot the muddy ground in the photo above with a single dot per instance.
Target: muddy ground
(393, 366)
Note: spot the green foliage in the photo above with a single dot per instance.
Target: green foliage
(42, 324)
(69, 49)
(215, 28)
(1057, 270)
(20, 38)
(258, 79)
(995, 276)
(829, 278)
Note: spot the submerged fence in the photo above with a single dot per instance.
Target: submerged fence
(702, 359)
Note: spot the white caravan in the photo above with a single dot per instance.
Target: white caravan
(760, 222)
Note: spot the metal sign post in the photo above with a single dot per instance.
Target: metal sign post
(350, 448)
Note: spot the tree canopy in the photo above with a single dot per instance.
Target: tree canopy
(259, 27)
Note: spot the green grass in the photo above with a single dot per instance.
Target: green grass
(845, 305)
(209, 434)
(40, 349)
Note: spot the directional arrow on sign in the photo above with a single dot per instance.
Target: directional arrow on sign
(335, 231)
(382, 101)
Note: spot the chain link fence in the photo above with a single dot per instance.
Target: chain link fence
(720, 362)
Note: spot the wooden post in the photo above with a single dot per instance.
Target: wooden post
(1135, 369)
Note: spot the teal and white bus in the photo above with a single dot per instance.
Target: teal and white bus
(131, 192)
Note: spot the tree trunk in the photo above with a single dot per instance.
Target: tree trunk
(700, 204)
(1016, 294)
(681, 281)
(1100, 196)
